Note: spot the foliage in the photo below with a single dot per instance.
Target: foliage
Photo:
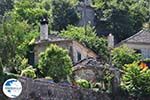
(14, 39)
(89, 38)
(55, 62)
(28, 72)
(104, 83)
(22, 63)
(83, 83)
(122, 18)
(63, 14)
(48, 78)
(124, 55)
(136, 79)
(31, 10)
(5, 6)
(146, 60)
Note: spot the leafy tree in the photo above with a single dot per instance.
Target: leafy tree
(122, 18)
(63, 14)
(123, 55)
(31, 10)
(14, 39)
(55, 62)
(136, 80)
(5, 6)
(89, 38)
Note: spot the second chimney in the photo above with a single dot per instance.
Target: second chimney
(44, 29)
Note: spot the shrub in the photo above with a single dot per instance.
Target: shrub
(56, 63)
(48, 78)
(124, 55)
(83, 83)
(89, 38)
(28, 72)
(136, 79)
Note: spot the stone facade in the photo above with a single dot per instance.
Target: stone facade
(76, 50)
(139, 42)
(92, 70)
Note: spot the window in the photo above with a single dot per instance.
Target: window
(79, 56)
(137, 51)
(145, 53)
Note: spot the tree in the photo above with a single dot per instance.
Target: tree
(14, 39)
(31, 10)
(136, 80)
(63, 14)
(122, 18)
(123, 55)
(55, 62)
(5, 6)
(89, 38)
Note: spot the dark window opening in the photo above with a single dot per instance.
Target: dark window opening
(79, 56)
(30, 55)
(137, 51)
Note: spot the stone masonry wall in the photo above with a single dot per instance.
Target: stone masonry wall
(44, 90)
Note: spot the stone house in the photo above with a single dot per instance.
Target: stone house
(139, 42)
(86, 66)
(76, 50)
(89, 69)
(94, 71)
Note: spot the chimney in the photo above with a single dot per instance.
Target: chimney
(44, 29)
(110, 41)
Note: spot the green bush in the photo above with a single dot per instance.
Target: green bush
(147, 60)
(49, 78)
(28, 72)
(56, 63)
(83, 83)
(124, 55)
(89, 38)
(136, 79)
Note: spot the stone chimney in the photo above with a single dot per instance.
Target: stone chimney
(110, 41)
(44, 29)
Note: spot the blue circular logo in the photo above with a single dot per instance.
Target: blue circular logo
(12, 88)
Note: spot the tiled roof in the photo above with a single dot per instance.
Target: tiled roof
(142, 36)
(88, 63)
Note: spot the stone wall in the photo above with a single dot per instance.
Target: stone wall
(45, 90)
(73, 48)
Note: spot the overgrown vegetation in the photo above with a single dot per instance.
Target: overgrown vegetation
(83, 83)
(123, 18)
(124, 55)
(56, 63)
(89, 38)
(136, 79)
(29, 72)
(19, 25)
